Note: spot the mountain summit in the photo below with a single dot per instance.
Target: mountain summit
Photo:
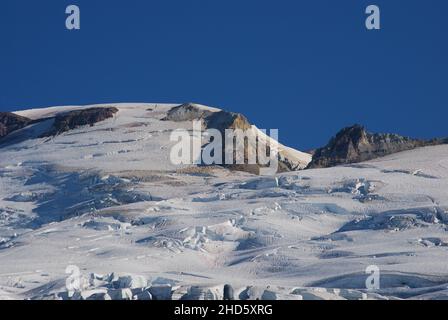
(355, 144)
(95, 188)
(132, 133)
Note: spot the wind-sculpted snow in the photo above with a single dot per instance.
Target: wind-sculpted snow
(106, 199)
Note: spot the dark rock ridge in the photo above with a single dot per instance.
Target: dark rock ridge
(77, 118)
(10, 122)
(354, 144)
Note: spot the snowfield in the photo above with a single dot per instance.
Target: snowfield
(107, 199)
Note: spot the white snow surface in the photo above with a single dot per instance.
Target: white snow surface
(107, 199)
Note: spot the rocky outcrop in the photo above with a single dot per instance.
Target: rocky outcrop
(186, 112)
(354, 144)
(289, 159)
(77, 118)
(217, 119)
(10, 122)
(223, 120)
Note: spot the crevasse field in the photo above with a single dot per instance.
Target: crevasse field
(108, 200)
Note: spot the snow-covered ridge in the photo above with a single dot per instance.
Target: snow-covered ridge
(39, 113)
(107, 200)
(151, 116)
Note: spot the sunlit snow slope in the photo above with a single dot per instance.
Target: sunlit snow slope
(107, 199)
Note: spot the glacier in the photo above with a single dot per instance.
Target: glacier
(106, 198)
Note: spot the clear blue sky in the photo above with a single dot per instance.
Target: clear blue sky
(307, 67)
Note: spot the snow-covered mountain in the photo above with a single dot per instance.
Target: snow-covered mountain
(97, 190)
(144, 127)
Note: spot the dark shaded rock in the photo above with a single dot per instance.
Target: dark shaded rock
(228, 292)
(354, 144)
(10, 122)
(78, 118)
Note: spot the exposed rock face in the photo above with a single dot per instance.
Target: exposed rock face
(354, 144)
(78, 118)
(219, 120)
(227, 120)
(222, 120)
(186, 112)
(10, 122)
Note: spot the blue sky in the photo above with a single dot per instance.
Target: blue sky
(306, 67)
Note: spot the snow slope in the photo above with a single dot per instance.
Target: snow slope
(106, 199)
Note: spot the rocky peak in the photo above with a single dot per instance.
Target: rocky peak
(10, 122)
(355, 144)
